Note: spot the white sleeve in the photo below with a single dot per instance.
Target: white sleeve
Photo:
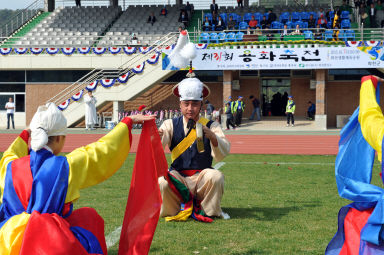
(224, 146)
(167, 128)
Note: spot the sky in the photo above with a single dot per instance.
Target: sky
(15, 4)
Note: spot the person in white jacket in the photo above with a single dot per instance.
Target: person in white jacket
(90, 111)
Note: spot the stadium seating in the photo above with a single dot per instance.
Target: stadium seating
(134, 20)
(71, 26)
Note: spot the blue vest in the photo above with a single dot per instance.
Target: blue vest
(190, 159)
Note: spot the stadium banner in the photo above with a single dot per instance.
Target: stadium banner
(284, 58)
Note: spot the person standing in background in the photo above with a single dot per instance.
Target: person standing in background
(256, 108)
(10, 106)
(290, 111)
(90, 111)
(210, 109)
(239, 109)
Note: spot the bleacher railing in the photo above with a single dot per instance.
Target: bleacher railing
(356, 34)
(98, 74)
(21, 18)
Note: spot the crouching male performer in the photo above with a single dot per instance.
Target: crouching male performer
(192, 187)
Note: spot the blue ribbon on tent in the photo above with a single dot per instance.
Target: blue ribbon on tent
(353, 170)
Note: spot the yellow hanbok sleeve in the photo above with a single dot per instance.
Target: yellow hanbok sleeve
(18, 149)
(96, 162)
(370, 116)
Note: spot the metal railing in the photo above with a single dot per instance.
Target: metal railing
(97, 74)
(22, 17)
(260, 35)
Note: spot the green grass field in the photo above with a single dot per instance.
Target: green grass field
(285, 208)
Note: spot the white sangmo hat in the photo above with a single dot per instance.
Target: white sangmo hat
(47, 121)
(191, 89)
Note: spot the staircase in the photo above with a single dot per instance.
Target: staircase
(136, 85)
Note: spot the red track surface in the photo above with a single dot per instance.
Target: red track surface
(241, 144)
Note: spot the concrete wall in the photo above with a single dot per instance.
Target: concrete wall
(38, 94)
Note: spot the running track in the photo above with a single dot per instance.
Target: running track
(240, 144)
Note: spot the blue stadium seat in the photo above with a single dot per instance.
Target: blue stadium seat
(342, 35)
(230, 37)
(295, 16)
(300, 23)
(350, 35)
(345, 15)
(284, 17)
(209, 16)
(247, 17)
(214, 38)
(258, 17)
(345, 23)
(304, 25)
(224, 17)
(308, 35)
(221, 37)
(331, 15)
(243, 25)
(328, 35)
(304, 16)
(276, 25)
(239, 36)
(204, 38)
(314, 15)
(289, 24)
(266, 15)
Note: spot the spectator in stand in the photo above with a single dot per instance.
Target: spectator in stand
(362, 9)
(318, 33)
(78, 3)
(188, 9)
(240, 3)
(271, 17)
(365, 19)
(372, 15)
(336, 31)
(134, 39)
(214, 7)
(328, 14)
(220, 25)
(311, 22)
(345, 7)
(163, 11)
(297, 31)
(183, 18)
(151, 19)
(214, 17)
(378, 6)
(252, 23)
(207, 24)
(180, 29)
(264, 23)
(320, 13)
(231, 24)
(285, 32)
(322, 21)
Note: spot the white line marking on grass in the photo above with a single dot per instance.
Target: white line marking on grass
(218, 165)
(281, 163)
(113, 237)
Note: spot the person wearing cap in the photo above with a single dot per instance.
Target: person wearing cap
(290, 111)
(228, 112)
(192, 187)
(238, 109)
(38, 187)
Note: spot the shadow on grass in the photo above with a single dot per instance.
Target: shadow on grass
(265, 213)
